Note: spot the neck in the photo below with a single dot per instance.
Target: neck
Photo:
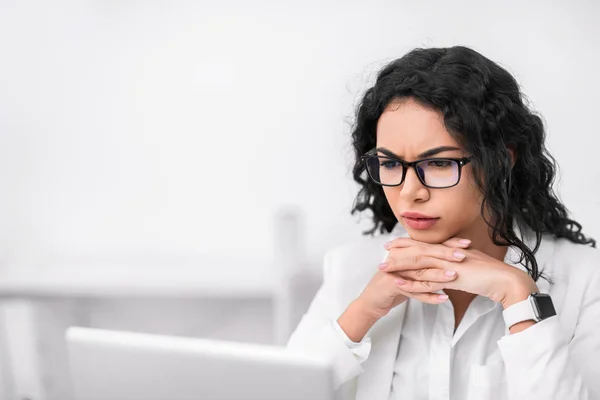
(480, 236)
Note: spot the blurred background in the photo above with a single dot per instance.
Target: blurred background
(181, 167)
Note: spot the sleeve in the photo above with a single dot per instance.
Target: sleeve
(360, 349)
(316, 333)
(543, 363)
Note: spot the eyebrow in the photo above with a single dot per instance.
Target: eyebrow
(428, 153)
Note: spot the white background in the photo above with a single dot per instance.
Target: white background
(173, 127)
(167, 129)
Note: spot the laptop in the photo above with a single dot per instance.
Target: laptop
(115, 365)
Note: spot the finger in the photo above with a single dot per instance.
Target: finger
(408, 242)
(412, 261)
(429, 298)
(419, 286)
(457, 242)
(428, 274)
(401, 242)
(435, 250)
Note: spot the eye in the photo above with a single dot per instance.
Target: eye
(389, 164)
(439, 163)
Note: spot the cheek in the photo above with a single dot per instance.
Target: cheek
(391, 194)
(463, 202)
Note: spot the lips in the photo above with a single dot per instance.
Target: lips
(418, 221)
(416, 215)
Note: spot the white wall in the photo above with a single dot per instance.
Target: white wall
(180, 127)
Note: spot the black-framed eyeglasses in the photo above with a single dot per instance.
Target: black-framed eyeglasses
(435, 173)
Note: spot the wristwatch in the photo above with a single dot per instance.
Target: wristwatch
(537, 307)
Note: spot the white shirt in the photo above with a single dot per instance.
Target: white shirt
(413, 353)
(433, 362)
(436, 363)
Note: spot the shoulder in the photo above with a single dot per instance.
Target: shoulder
(574, 270)
(355, 259)
(572, 261)
(349, 266)
(363, 246)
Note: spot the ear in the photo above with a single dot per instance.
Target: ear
(513, 154)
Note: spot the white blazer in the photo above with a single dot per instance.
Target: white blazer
(574, 369)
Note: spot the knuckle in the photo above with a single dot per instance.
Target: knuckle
(420, 273)
(426, 285)
(398, 290)
(417, 259)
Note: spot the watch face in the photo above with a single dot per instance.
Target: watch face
(545, 307)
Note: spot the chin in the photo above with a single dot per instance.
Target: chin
(432, 236)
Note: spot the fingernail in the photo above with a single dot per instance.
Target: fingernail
(400, 282)
(459, 255)
(450, 273)
(443, 297)
(464, 241)
(382, 265)
(387, 245)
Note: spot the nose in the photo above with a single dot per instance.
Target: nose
(412, 190)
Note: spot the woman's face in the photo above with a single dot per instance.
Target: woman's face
(408, 130)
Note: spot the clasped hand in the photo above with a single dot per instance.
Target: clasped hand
(421, 270)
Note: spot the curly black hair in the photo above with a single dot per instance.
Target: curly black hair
(484, 110)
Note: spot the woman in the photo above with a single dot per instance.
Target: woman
(487, 289)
